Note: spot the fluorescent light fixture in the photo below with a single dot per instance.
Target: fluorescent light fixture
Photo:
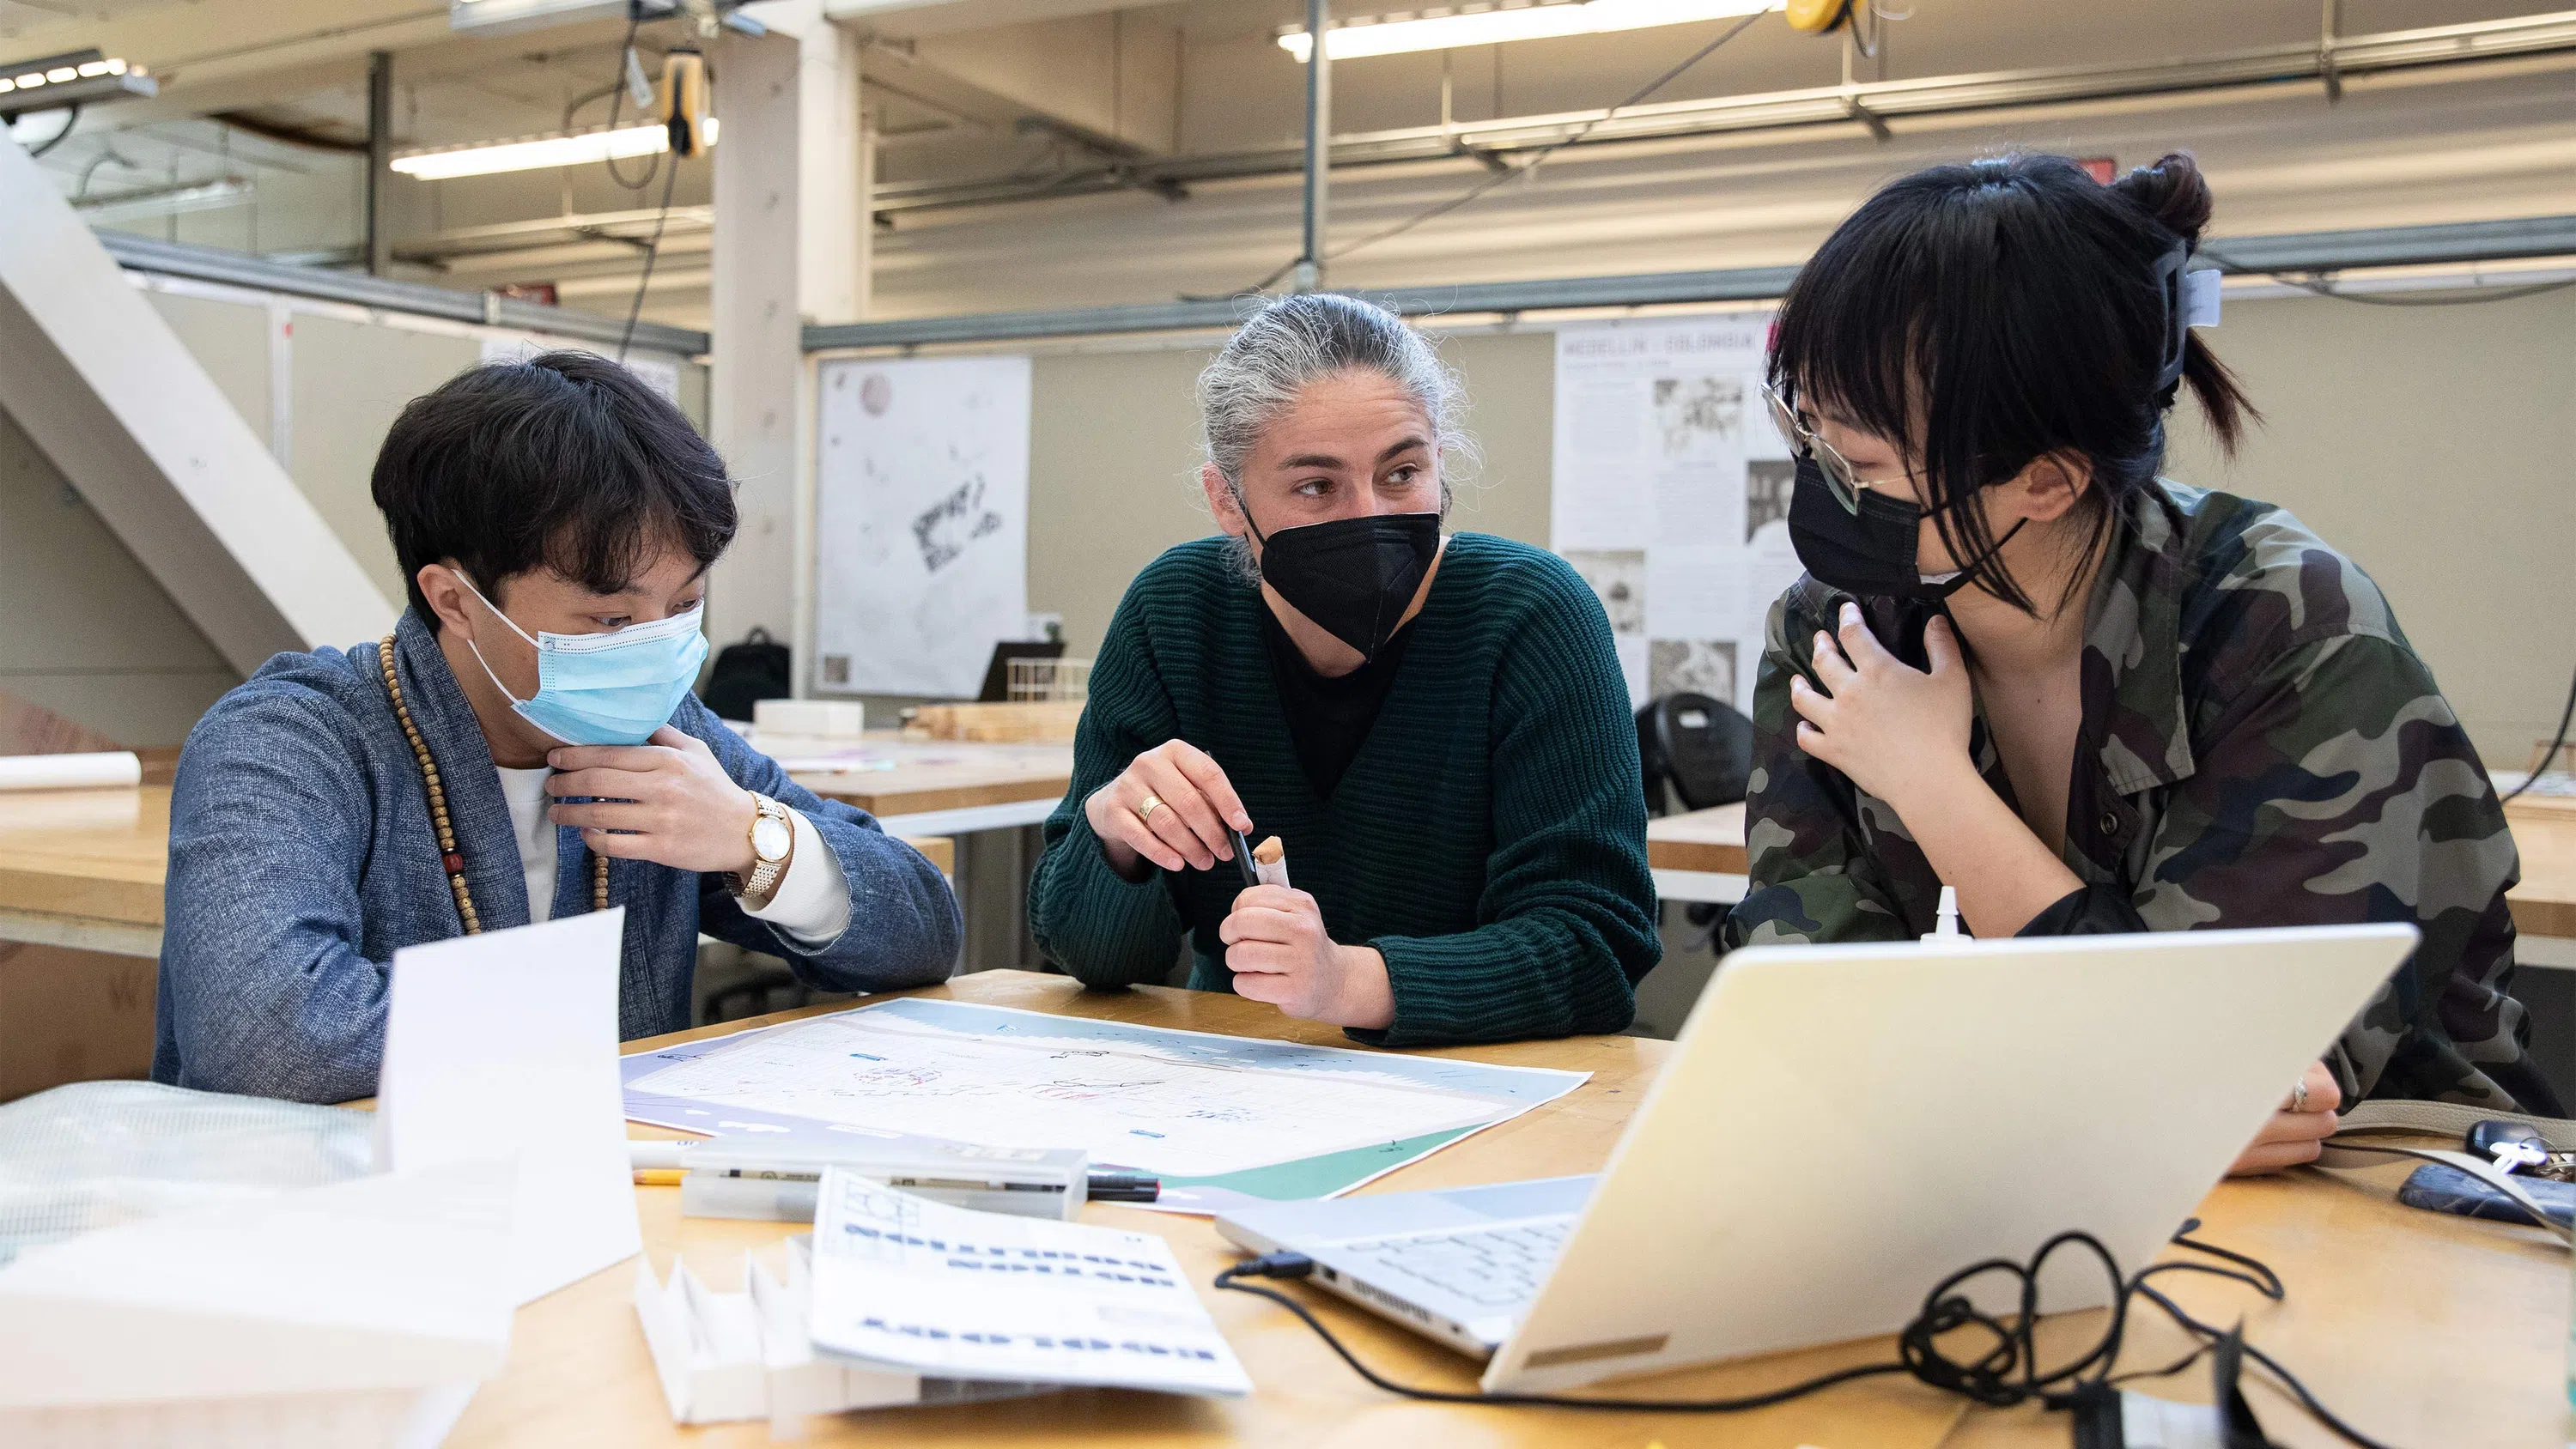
(1448, 27)
(579, 149)
(500, 17)
(81, 77)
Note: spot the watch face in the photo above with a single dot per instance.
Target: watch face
(770, 838)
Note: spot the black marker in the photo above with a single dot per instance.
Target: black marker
(1243, 858)
(1111, 1185)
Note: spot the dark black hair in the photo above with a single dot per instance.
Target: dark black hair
(565, 461)
(2014, 307)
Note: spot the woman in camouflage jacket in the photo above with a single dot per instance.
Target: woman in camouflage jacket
(2089, 699)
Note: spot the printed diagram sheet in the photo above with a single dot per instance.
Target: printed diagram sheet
(1179, 1104)
(906, 1283)
(921, 516)
(1672, 496)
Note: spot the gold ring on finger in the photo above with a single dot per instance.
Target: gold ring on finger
(1145, 811)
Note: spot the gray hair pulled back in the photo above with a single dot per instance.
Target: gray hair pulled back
(1301, 339)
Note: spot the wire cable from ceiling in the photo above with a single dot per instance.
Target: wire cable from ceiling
(652, 254)
(1526, 168)
(2320, 288)
(625, 54)
(71, 118)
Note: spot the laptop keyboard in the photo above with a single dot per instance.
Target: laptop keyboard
(1499, 1267)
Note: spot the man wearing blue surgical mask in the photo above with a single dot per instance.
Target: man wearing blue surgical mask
(522, 746)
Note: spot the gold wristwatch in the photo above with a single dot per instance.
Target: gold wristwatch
(773, 849)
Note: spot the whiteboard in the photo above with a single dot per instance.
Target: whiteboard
(921, 521)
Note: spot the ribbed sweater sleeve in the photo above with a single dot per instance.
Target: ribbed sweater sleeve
(1568, 894)
(1105, 930)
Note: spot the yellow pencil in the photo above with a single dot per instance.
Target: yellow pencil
(659, 1176)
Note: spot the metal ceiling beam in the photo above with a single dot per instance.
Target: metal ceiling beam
(2349, 56)
(2317, 251)
(207, 264)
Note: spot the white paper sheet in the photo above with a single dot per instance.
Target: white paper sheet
(504, 1046)
(1128, 1102)
(909, 1283)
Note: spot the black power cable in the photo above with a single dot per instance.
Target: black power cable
(616, 95)
(2006, 1373)
(71, 118)
(652, 254)
(2557, 742)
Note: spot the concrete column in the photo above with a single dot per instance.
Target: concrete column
(791, 246)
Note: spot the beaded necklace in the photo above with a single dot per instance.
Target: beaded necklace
(449, 857)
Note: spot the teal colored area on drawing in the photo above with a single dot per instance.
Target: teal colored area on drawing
(1322, 1176)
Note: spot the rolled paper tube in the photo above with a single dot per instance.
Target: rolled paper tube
(105, 771)
(1270, 862)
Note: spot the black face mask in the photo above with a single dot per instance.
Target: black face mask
(1869, 553)
(1353, 576)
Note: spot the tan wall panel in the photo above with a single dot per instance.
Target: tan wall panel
(1114, 456)
(230, 340)
(350, 381)
(2431, 444)
(84, 631)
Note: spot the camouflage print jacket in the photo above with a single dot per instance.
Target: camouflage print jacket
(2260, 747)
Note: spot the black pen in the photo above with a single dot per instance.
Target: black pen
(1107, 1186)
(1243, 858)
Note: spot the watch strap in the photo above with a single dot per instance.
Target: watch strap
(765, 874)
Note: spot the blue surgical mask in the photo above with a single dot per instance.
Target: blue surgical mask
(605, 689)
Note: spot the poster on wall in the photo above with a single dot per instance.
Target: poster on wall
(921, 521)
(1671, 495)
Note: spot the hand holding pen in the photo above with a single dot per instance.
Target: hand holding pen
(1172, 806)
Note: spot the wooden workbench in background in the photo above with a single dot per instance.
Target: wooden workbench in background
(1711, 843)
(84, 868)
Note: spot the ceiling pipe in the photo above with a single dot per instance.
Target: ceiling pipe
(2333, 60)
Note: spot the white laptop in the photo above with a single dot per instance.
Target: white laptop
(1841, 1127)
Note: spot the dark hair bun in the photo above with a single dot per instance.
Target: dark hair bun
(2173, 192)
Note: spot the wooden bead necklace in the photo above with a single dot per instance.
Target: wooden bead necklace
(449, 857)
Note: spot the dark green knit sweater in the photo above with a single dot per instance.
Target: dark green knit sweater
(1489, 839)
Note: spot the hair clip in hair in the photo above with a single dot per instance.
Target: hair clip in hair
(2175, 284)
(2200, 297)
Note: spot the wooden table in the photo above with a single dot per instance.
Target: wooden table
(1699, 856)
(931, 787)
(2423, 1330)
(84, 868)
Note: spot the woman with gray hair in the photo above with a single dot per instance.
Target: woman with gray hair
(1435, 727)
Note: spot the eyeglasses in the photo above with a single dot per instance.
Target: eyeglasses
(1841, 479)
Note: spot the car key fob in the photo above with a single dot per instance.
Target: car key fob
(2512, 1146)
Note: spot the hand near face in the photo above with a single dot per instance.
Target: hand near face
(1878, 720)
(666, 800)
(1279, 952)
